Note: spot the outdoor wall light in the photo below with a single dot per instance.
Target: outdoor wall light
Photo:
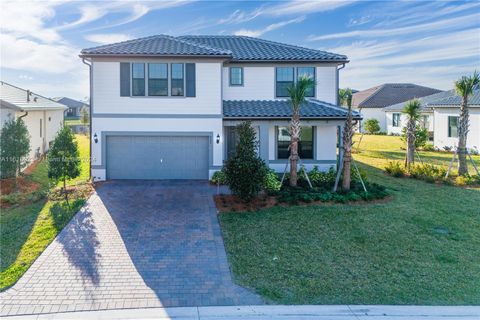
(218, 138)
(95, 138)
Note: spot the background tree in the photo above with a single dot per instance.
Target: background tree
(297, 93)
(14, 148)
(372, 126)
(464, 88)
(347, 140)
(245, 172)
(412, 111)
(63, 159)
(84, 118)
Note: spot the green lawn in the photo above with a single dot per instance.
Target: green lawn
(27, 229)
(423, 247)
(73, 121)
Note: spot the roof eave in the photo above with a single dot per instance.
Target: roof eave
(289, 60)
(285, 118)
(143, 55)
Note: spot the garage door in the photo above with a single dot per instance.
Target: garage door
(157, 157)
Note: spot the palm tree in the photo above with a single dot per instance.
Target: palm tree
(297, 93)
(412, 110)
(346, 99)
(464, 88)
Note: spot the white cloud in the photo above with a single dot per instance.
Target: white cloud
(88, 14)
(305, 7)
(107, 38)
(239, 16)
(271, 27)
(30, 55)
(446, 24)
(25, 77)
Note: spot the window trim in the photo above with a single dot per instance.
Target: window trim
(450, 127)
(183, 80)
(314, 142)
(145, 85)
(41, 129)
(230, 77)
(148, 81)
(394, 115)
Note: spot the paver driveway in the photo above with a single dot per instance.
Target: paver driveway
(135, 244)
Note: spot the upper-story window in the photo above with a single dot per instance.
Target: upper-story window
(157, 79)
(178, 82)
(310, 73)
(236, 76)
(284, 79)
(138, 79)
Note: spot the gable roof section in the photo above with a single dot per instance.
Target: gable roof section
(425, 101)
(254, 49)
(14, 96)
(163, 45)
(390, 93)
(70, 102)
(234, 48)
(282, 109)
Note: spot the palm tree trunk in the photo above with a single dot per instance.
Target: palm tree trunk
(294, 138)
(462, 138)
(410, 143)
(347, 151)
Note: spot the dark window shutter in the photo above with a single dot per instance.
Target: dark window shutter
(124, 79)
(190, 77)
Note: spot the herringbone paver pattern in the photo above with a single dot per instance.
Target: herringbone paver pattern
(134, 244)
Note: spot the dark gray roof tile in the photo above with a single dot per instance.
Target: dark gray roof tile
(281, 109)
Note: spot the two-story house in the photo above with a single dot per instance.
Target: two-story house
(166, 107)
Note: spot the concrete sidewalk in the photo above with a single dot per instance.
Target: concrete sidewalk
(336, 312)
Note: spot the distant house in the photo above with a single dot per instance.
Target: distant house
(74, 106)
(371, 102)
(440, 113)
(42, 116)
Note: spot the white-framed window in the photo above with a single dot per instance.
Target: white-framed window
(396, 120)
(236, 76)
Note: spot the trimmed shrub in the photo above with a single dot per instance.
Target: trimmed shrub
(246, 172)
(320, 178)
(428, 147)
(219, 177)
(395, 169)
(421, 136)
(15, 146)
(427, 172)
(272, 184)
(372, 126)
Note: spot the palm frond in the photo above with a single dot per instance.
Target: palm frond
(412, 109)
(465, 85)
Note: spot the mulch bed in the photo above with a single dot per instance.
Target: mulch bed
(7, 186)
(230, 203)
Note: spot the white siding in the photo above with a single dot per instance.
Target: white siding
(6, 114)
(441, 138)
(259, 82)
(106, 93)
(403, 122)
(374, 113)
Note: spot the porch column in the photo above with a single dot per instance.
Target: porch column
(263, 139)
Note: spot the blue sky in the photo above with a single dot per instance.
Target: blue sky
(424, 42)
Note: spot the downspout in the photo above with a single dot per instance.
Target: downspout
(26, 113)
(338, 82)
(90, 115)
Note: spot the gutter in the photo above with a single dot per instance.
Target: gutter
(26, 113)
(90, 114)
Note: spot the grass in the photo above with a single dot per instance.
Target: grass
(27, 229)
(423, 247)
(72, 121)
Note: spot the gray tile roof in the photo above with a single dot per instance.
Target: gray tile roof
(156, 45)
(236, 48)
(70, 102)
(15, 97)
(443, 99)
(281, 109)
(390, 93)
(254, 49)
(424, 101)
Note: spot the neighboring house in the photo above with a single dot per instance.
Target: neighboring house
(74, 106)
(446, 112)
(371, 102)
(166, 107)
(42, 116)
(396, 120)
(440, 114)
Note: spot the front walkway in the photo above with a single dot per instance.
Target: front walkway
(335, 312)
(135, 244)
